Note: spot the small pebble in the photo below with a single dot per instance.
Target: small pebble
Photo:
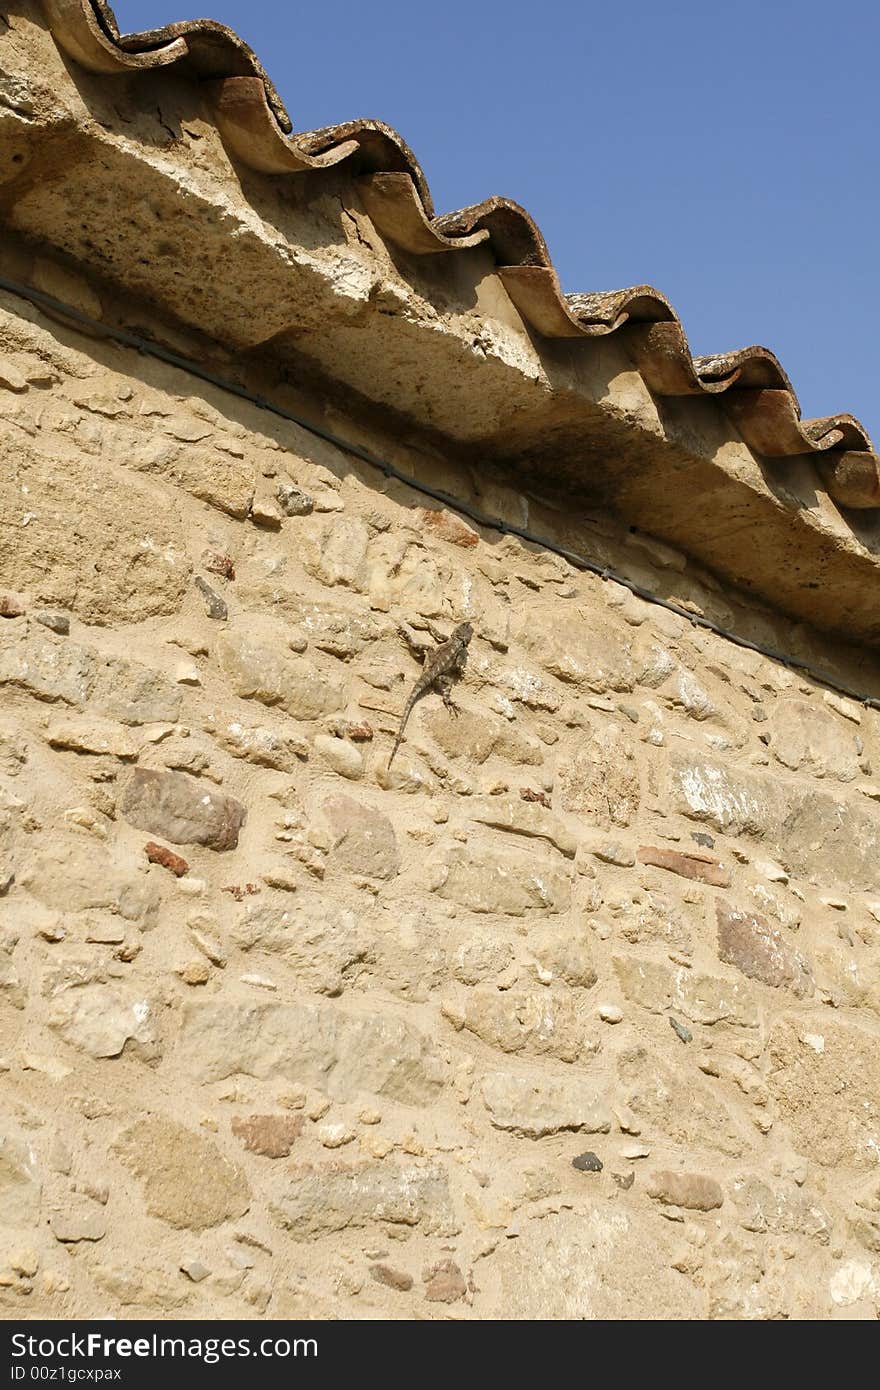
(588, 1162)
(215, 606)
(610, 1013)
(56, 622)
(680, 1030)
(334, 1136)
(294, 502)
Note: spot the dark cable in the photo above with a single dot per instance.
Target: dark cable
(185, 364)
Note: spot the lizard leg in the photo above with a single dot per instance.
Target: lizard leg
(416, 649)
(444, 690)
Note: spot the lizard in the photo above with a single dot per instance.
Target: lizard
(443, 665)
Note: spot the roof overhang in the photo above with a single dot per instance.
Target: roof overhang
(165, 168)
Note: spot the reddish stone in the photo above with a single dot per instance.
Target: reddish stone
(693, 864)
(181, 809)
(529, 794)
(158, 854)
(359, 733)
(11, 605)
(223, 565)
(392, 1278)
(269, 1135)
(445, 1283)
(449, 527)
(240, 891)
(760, 951)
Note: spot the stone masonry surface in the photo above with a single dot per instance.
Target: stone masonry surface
(285, 1033)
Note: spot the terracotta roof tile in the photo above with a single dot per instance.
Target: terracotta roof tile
(258, 132)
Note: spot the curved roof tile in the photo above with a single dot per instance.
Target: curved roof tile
(258, 132)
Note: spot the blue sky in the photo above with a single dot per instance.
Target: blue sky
(726, 154)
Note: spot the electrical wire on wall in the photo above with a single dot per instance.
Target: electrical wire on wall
(151, 349)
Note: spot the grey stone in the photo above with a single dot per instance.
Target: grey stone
(215, 606)
(56, 622)
(47, 670)
(21, 1182)
(319, 1201)
(363, 839)
(535, 1106)
(294, 502)
(588, 1162)
(102, 1021)
(313, 1044)
(507, 883)
(181, 809)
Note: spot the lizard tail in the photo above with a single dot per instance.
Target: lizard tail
(407, 711)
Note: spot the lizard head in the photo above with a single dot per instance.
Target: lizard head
(464, 632)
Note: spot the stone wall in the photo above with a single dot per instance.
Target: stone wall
(571, 1013)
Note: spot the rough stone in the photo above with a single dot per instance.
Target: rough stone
(71, 1227)
(826, 1084)
(21, 1182)
(535, 1106)
(678, 1105)
(513, 884)
(527, 819)
(264, 746)
(181, 809)
(85, 877)
(391, 1278)
(363, 839)
(259, 666)
(603, 1263)
(692, 865)
(338, 1197)
(760, 951)
(695, 1191)
(313, 1044)
(779, 1210)
(806, 739)
(185, 1179)
(602, 779)
(103, 1021)
(706, 999)
(294, 502)
(141, 1288)
(91, 736)
(322, 943)
(564, 953)
(271, 1136)
(47, 670)
(532, 1022)
(476, 734)
(444, 1282)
